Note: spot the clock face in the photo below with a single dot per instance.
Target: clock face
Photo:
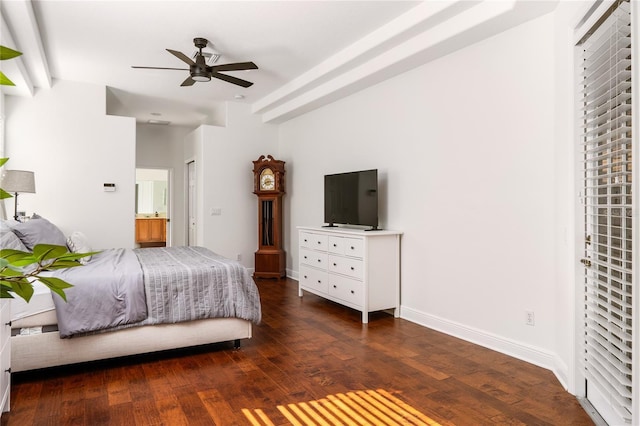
(267, 180)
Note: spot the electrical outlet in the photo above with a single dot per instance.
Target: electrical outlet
(530, 318)
(238, 257)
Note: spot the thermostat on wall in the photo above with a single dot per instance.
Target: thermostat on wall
(109, 187)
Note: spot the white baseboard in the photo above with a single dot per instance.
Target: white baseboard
(292, 274)
(524, 352)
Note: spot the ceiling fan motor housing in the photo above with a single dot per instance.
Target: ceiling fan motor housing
(200, 42)
(199, 71)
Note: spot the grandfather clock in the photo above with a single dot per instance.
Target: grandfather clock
(268, 184)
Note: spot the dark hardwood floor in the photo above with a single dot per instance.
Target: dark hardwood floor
(304, 350)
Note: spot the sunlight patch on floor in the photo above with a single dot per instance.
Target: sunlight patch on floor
(369, 407)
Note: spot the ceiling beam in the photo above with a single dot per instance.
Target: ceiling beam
(21, 32)
(421, 35)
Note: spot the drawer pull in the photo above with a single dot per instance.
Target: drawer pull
(353, 269)
(353, 248)
(305, 240)
(306, 257)
(334, 286)
(319, 260)
(319, 242)
(319, 281)
(335, 264)
(353, 292)
(8, 323)
(305, 277)
(8, 370)
(335, 245)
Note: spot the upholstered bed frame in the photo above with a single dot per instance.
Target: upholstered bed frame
(47, 349)
(132, 287)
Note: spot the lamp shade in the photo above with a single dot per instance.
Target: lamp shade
(18, 181)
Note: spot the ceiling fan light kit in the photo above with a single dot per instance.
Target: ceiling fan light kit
(199, 71)
(198, 74)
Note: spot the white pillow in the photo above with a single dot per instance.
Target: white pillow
(79, 243)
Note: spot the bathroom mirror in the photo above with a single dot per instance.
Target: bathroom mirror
(151, 192)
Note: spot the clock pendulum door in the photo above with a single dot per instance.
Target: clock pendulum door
(267, 222)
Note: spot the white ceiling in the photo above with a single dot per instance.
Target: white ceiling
(308, 52)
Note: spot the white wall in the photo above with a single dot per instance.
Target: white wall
(64, 136)
(224, 168)
(163, 147)
(466, 152)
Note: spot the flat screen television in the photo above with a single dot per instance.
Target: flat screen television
(351, 198)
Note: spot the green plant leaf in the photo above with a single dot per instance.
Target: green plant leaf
(16, 258)
(7, 53)
(11, 273)
(4, 80)
(4, 293)
(62, 264)
(48, 251)
(4, 194)
(77, 256)
(56, 285)
(3, 160)
(22, 288)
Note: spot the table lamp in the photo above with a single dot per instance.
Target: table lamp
(18, 181)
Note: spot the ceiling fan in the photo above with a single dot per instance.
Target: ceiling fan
(200, 71)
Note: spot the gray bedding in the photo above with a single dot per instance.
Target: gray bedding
(108, 291)
(122, 287)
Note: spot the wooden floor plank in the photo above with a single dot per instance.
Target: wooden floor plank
(305, 350)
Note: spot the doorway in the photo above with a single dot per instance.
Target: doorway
(153, 193)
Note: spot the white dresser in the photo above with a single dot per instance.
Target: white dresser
(5, 353)
(356, 268)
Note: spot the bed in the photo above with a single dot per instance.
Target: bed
(182, 297)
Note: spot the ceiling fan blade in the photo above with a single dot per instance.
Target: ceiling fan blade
(181, 56)
(160, 68)
(238, 66)
(230, 79)
(188, 82)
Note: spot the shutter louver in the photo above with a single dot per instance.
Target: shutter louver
(605, 89)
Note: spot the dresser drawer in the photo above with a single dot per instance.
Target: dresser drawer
(313, 241)
(351, 291)
(353, 247)
(314, 279)
(346, 266)
(313, 258)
